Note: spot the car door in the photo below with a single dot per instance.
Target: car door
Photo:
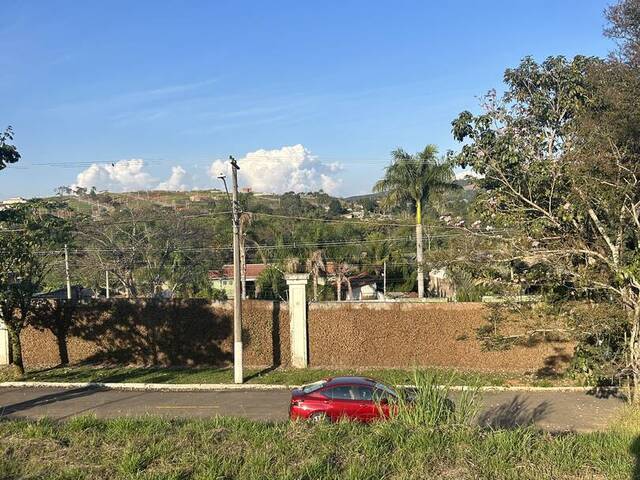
(367, 409)
(341, 402)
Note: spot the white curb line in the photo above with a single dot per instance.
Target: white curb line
(216, 387)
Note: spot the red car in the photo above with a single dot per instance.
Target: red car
(354, 398)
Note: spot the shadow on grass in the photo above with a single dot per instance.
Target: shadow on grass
(513, 414)
(635, 451)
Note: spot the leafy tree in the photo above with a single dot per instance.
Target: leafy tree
(560, 157)
(335, 207)
(271, 284)
(8, 152)
(624, 26)
(29, 236)
(413, 180)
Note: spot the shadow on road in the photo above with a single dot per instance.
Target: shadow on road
(513, 414)
(47, 399)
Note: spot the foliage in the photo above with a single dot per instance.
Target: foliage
(624, 26)
(271, 284)
(31, 236)
(560, 156)
(8, 152)
(414, 179)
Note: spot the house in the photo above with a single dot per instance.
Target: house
(78, 292)
(363, 287)
(441, 284)
(223, 279)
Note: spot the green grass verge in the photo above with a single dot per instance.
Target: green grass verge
(225, 448)
(256, 376)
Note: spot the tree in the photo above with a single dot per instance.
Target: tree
(624, 26)
(29, 236)
(8, 152)
(316, 265)
(560, 156)
(335, 207)
(413, 180)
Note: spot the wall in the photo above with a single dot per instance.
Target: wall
(167, 332)
(398, 334)
(341, 334)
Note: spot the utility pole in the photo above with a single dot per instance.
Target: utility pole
(237, 287)
(106, 274)
(384, 280)
(66, 268)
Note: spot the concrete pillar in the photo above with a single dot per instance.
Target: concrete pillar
(297, 283)
(4, 345)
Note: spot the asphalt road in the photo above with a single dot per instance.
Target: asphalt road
(556, 411)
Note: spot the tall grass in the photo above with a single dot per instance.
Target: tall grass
(429, 404)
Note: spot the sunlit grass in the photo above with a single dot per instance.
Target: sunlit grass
(181, 375)
(428, 439)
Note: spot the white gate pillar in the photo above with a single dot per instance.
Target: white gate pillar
(4, 345)
(297, 283)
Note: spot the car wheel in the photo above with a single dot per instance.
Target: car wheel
(318, 417)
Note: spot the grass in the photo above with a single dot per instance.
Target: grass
(88, 373)
(433, 442)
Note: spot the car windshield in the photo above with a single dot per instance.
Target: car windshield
(386, 389)
(312, 387)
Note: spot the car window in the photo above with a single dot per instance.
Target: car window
(382, 391)
(341, 392)
(312, 387)
(363, 393)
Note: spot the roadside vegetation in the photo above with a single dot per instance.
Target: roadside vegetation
(210, 375)
(428, 440)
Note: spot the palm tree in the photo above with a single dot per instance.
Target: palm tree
(343, 269)
(315, 265)
(414, 179)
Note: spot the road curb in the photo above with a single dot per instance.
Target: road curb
(220, 387)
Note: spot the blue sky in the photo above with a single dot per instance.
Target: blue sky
(179, 84)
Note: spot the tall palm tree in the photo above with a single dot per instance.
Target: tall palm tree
(414, 179)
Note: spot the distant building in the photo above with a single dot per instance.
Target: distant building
(223, 279)
(78, 292)
(9, 202)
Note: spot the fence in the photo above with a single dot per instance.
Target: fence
(299, 334)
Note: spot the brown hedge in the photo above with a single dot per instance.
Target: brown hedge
(418, 334)
(197, 332)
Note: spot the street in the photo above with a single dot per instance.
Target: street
(553, 411)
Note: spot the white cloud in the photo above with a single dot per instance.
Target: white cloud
(124, 175)
(175, 181)
(129, 175)
(467, 173)
(291, 168)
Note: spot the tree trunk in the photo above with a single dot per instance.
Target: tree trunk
(16, 349)
(419, 253)
(338, 289)
(634, 354)
(315, 286)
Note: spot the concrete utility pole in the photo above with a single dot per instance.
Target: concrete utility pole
(384, 280)
(237, 287)
(66, 268)
(106, 274)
